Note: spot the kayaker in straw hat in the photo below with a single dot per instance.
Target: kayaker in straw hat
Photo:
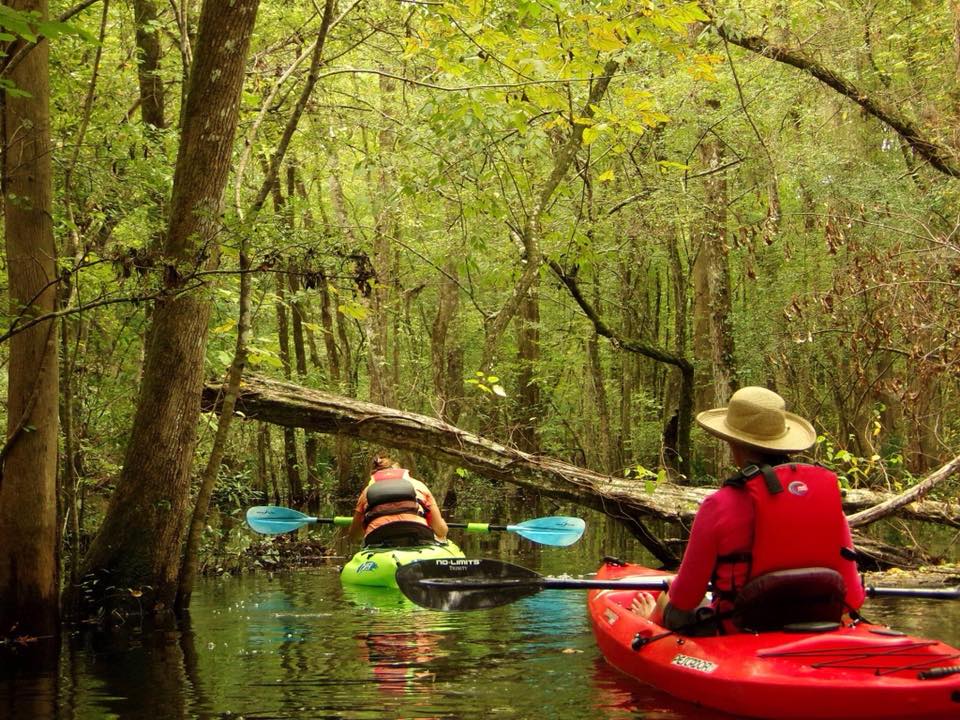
(775, 515)
(395, 508)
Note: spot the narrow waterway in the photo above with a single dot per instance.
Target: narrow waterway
(299, 645)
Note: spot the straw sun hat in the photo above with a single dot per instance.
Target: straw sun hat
(757, 417)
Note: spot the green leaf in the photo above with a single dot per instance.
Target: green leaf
(352, 310)
(590, 134)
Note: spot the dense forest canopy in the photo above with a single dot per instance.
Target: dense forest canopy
(561, 225)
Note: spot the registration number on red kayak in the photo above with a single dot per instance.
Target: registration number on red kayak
(692, 663)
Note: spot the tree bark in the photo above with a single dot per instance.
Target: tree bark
(198, 520)
(29, 540)
(136, 554)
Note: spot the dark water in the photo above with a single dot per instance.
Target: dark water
(299, 645)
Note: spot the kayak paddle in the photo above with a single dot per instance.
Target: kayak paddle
(556, 530)
(273, 520)
(465, 584)
(468, 584)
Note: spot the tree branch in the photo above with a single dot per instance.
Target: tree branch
(939, 156)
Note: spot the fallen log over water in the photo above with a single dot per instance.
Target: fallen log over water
(626, 499)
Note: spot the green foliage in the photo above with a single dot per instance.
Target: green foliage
(233, 493)
(434, 132)
(859, 472)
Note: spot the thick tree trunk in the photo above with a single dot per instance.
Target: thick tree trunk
(198, 520)
(134, 560)
(29, 542)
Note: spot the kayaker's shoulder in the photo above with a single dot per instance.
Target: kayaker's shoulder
(725, 496)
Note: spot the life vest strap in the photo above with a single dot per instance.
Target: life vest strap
(773, 483)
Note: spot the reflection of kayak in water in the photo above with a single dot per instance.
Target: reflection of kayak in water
(400, 661)
(377, 599)
(377, 566)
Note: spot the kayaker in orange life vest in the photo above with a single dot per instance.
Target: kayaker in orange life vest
(396, 509)
(775, 515)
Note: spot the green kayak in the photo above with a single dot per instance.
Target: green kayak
(377, 566)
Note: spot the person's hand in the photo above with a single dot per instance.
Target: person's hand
(643, 604)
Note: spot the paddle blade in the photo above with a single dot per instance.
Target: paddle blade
(273, 520)
(557, 530)
(462, 584)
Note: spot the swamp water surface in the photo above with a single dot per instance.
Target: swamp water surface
(299, 645)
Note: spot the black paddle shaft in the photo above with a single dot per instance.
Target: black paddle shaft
(543, 583)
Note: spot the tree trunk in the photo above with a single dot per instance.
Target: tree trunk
(191, 554)
(448, 303)
(677, 430)
(290, 464)
(71, 328)
(380, 297)
(29, 541)
(148, 63)
(298, 315)
(529, 410)
(713, 335)
(601, 406)
(344, 358)
(134, 560)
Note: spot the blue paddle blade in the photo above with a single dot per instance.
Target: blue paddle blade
(557, 530)
(273, 520)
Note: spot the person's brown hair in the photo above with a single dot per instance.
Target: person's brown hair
(381, 460)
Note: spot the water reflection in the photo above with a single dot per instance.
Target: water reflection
(29, 677)
(298, 645)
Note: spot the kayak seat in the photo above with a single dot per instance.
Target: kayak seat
(400, 533)
(790, 597)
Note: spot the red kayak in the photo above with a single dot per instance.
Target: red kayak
(856, 670)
